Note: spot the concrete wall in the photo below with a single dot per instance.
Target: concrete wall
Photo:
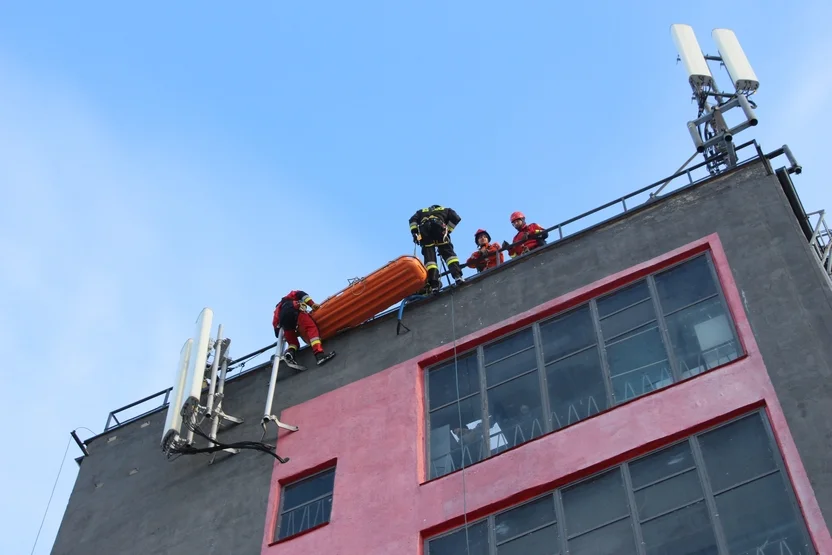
(164, 506)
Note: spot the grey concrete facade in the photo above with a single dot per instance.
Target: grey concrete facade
(165, 507)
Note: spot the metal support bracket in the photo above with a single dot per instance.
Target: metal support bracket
(216, 395)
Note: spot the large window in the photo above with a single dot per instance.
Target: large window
(722, 492)
(305, 504)
(664, 328)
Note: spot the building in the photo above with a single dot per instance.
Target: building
(655, 383)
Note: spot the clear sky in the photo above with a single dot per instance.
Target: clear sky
(159, 157)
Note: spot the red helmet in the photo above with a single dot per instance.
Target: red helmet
(481, 232)
(517, 215)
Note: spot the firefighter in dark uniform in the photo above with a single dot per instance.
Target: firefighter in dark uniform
(431, 229)
(289, 315)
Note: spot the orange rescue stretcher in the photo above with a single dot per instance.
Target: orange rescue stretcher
(364, 298)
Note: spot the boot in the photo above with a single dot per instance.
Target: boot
(322, 357)
(289, 359)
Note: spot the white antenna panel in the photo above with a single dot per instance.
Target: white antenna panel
(173, 422)
(699, 74)
(743, 76)
(196, 367)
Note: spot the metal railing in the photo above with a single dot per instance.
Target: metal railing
(620, 204)
(113, 418)
(821, 241)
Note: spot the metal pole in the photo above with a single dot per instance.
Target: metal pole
(80, 443)
(667, 181)
(267, 414)
(278, 355)
(215, 421)
(816, 232)
(212, 387)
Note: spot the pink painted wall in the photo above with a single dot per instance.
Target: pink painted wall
(375, 429)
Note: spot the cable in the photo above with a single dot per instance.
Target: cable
(219, 446)
(459, 415)
(63, 460)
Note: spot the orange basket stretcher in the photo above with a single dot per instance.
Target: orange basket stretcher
(364, 298)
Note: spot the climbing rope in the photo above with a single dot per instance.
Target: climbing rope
(63, 460)
(459, 415)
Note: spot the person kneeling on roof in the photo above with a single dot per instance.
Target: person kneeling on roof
(431, 229)
(290, 315)
(529, 236)
(487, 255)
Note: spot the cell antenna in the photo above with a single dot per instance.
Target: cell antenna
(711, 134)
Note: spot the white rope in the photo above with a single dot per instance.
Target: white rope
(459, 415)
(63, 460)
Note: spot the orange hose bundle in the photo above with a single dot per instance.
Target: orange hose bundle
(365, 298)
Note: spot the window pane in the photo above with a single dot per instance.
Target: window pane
(685, 284)
(305, 517)
(701, 337)
(594, 502)
(454, 544)
(669, 494)
(529, 516)
(512, 366)
(453, 442)
(567, 334)
(623, 298)
(737, 452)
(758, 518)
(306, 490)
(628, 319)
(660, 465)
(638, 364)
(516, 412)
(509, 345)
(441, 386)
(687, 531)
(614, 539)
(541, 542)
(576, 388)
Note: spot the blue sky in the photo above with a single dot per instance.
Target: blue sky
(157, 159)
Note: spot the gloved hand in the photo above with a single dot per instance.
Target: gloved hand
(415, 238)
(316, 307)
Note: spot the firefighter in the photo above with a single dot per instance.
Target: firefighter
(290, 315)
(487, 255)
(530, 236)
(431, 229)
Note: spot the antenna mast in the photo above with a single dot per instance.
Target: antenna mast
(711, 134)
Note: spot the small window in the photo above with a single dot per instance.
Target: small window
(515, 406)
(306, 504)
(456, 429)
(473, 540)
(636, 354)
(528, 529)
(752, 494)
(700, 329)
(574, 376)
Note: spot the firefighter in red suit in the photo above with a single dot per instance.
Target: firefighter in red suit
(487, 255)
(530, 236)
(289, 315)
